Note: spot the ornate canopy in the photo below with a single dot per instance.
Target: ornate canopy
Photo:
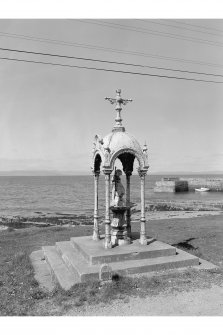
(118, 144)
(122, 145)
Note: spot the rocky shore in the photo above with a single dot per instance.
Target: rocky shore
(156, 209)
(44, 220)
(188, 205)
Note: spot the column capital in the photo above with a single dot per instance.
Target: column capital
(107, 171)
(142, 173)
(96, 173)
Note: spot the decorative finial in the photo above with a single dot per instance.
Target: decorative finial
(119, 102)
(145, 147)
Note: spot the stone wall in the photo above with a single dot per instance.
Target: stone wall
(188, 184)
(214, 184)
(164, 186)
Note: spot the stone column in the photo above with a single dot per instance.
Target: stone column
(143, 239)
(108, 244)
(128, 212)
(96, 235)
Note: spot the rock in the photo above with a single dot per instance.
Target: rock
(41, 224)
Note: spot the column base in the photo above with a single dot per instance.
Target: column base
(96, 236)
(107, 244)
(129, 231)
(143, 240)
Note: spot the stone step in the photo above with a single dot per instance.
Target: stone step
(84, 270)
(59, 269)
(64, 263)
(88, 272)
(42, 270)
(180, 260)
(95, 253)
(72, 258)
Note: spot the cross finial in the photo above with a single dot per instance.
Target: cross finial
(119, 102)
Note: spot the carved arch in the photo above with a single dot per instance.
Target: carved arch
(127, 160)
(126, 150)
(97, 162)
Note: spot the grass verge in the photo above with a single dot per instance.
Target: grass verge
(122, 288)
(20, 294)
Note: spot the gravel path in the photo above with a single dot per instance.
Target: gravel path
(206, 302)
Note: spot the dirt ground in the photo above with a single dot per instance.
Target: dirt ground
(203, 302)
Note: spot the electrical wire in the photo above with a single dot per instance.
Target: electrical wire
(183, 28)
(110, 70)
(109, 62)
(154, 32)
(197, 26)
(104, 49)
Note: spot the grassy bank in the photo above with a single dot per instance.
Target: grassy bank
(21, 295)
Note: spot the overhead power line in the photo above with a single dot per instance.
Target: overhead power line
(104, 49)
(197, 26)
(108, 62)
(182, 28)
(153, 32)
(110, 70)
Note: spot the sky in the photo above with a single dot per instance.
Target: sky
(49, 115)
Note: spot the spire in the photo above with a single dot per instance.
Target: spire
(119, 102)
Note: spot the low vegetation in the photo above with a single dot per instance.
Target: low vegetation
(20, 294)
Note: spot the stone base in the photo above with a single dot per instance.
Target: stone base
(119, 237)
(81, 259)
(119, 234)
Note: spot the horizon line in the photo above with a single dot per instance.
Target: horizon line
(48, 173)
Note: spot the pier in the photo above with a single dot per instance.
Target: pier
(175, 184)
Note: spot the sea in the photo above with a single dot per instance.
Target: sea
(32, 195)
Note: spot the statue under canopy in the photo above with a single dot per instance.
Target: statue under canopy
(118, 190)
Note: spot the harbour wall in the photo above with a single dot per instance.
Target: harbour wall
(188, 184)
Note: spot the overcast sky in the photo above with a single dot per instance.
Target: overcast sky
(49, 115)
